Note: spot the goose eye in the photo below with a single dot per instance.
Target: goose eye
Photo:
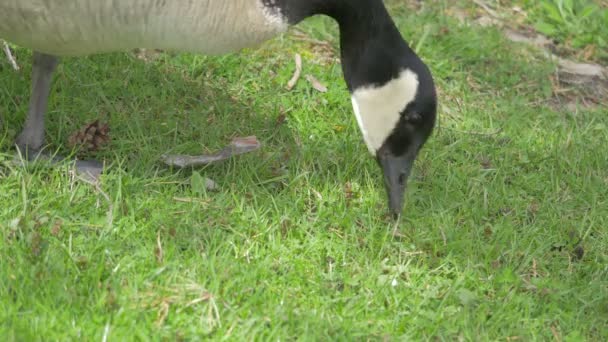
(413, 117)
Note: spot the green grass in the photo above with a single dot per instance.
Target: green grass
(574, 25)
(296, 242)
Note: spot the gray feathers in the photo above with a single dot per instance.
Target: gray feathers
(94, 26)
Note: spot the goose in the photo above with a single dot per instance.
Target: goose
(392, 91)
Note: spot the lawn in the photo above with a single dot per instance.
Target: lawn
(504, 235)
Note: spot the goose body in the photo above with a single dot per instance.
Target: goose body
(392, 91)
(83, 27)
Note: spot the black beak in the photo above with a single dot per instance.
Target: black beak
(396, 172)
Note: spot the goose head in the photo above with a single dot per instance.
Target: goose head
(396, 117)
(392, 90)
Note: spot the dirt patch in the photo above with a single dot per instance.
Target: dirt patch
(574, 84)
(574, 89)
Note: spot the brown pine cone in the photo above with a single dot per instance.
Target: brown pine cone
(91, 137)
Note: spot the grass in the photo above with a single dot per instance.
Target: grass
(575, 25)
(504, 236)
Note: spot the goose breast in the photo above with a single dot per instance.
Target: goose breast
(80, 27)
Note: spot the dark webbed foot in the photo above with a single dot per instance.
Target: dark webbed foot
(30, 140)
(29, 154)
(88, 169)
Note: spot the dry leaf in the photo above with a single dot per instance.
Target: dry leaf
(281, 119)
(147, 55)
(323, 50)
(158, 250)
(56, 229)
(348, 192)
(316, 84)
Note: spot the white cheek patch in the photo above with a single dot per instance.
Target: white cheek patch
(378, 108)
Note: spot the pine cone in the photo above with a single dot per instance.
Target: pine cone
(91, 137)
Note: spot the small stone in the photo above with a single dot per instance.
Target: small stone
(211, 185)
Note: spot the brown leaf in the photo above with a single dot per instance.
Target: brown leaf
(348, 191)
(163, 312)
(36, 243)
(534, 268)
(316, 83)
(281, 119)
(578, 252)
(56, 229)
(488, 231)
(556, 335)
(485, 162)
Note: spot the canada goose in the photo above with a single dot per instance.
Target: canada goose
(392, 91)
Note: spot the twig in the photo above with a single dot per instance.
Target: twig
(159, 249)
(9, 56)
(296, 75)
(445, 240)
(191, 200)
(474, 132)
(203, 298)
(163, 312)
(302, 36)
(556, 335)
(487, 8)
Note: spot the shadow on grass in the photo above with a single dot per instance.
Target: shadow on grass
(176, 104)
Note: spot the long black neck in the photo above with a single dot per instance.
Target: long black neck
(372, 49)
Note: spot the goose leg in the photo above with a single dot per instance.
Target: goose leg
(31, 140)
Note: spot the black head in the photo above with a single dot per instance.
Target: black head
(399, 150)
(392, 90)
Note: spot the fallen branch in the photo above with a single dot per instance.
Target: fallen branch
(236, 147)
